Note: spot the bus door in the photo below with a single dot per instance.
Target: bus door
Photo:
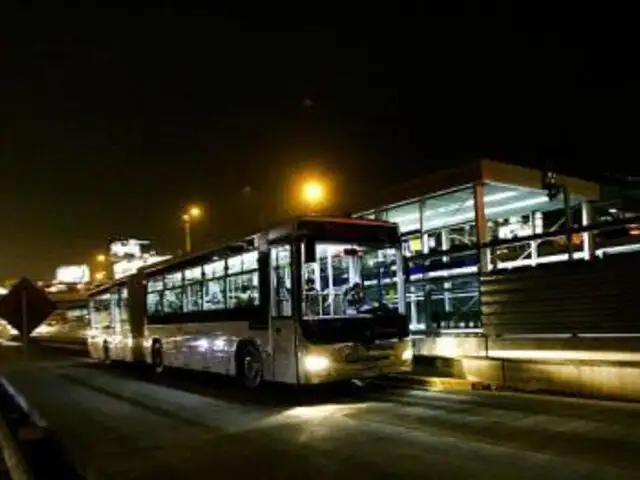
(136, 308)
(115, 324)
(281, 314)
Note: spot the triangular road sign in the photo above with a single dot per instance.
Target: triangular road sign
(26, 306)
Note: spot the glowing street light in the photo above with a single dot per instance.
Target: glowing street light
(313, 193)
(101, 258)
(192, 213)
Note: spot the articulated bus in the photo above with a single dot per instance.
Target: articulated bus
(314, 300)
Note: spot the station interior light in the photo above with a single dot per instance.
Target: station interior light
(452, 210)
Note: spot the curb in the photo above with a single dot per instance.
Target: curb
(433, 383)
(442, 384)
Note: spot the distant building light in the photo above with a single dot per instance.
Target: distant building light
(73, 274)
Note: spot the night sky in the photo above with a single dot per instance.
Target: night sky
(113, 119)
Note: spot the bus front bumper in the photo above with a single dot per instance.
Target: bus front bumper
(355, 371)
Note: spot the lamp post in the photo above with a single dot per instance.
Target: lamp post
(192, 213)
(99, 271)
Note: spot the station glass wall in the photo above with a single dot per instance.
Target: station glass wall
(439, 235)
(440, 239)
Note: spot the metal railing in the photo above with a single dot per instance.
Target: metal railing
(494, 245)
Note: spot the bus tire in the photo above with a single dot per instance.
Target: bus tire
(249, 365)
(106, 353)
(157, 358)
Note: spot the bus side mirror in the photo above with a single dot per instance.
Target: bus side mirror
(309, 251)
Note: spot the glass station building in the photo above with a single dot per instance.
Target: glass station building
(444, 218)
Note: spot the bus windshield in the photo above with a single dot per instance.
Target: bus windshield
(351, 280)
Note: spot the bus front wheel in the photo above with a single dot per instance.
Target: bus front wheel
(106, 353)
(249, 366)
(157, 361)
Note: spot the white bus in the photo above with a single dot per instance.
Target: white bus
(315, 300)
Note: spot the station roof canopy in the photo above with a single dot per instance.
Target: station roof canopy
(481, 171)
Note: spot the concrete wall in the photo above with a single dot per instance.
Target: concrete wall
(607, 380)
(591, 367)
(450, 346)
(615, 349)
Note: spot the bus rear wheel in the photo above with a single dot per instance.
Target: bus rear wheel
(157, 360)
(249, 366)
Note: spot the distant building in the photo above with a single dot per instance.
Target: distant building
(131, 265)
(127, 256)
(73, 274)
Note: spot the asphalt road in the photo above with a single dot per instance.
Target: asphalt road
(117, 423)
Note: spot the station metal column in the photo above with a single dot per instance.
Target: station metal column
(446, 286)
(482, 234)
(587, 237)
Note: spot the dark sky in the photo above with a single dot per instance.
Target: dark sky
(112, 119)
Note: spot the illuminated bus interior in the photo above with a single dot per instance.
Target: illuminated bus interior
(350, 280)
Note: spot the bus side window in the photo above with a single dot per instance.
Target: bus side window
(281, 281)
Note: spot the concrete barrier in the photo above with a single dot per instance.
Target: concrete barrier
(10, 447)
(606, 380)
(602, 367)
(553, 347)
(29, 448)
(11, 454)
(449, 346)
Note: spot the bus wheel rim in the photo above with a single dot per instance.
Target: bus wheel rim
(252, 368)
(156, 357)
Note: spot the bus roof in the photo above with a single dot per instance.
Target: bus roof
(347, 220)
(299, 226)
(120, 282)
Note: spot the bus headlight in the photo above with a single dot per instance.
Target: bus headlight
(407, 355)
(316, 363)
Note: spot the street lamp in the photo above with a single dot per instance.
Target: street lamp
(191, 214)
(194, 212)
(313, 193)
(100, 268)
